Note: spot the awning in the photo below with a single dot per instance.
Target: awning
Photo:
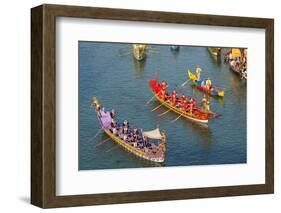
(153, 134)
(236, 52)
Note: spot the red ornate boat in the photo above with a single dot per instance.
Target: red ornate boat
(197, 115)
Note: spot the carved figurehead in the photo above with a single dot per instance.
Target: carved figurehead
(95, 103)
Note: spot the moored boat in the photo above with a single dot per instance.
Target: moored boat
(214, 51)
(241, 69)
(201, 86)
(175, 47)
(237, 59)
(196, 115)
(138, 142)
(139, 51)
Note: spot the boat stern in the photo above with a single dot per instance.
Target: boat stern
(158, 160)
(221, 93)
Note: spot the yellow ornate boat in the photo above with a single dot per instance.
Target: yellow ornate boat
(149, 151)
(139, 51)
(214, 51)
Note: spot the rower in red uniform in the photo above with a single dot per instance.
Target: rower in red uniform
(191, 105)
(163, 86)
(185, 106)
(183, 99)
(174, 91)
(162, 94)
(183, 103)
(168, 97)
(174, 97)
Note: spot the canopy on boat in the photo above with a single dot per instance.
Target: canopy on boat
(236, 52)
(105, 118)
(153, 134)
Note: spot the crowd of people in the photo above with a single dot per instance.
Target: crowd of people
(238, 62)
(131, 135)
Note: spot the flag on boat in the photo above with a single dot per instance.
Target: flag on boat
(153, 134)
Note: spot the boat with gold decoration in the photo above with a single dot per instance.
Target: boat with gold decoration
(148, 145)
(237, 59)
(139, 51)
(200, 84)
(195, 114)
(215, 51)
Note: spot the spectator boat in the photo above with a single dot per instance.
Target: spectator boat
(215, 51)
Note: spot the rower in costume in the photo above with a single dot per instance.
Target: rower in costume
(208, 83)
(174, 97)
(191, 105)
(198, 72)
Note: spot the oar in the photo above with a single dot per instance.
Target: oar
(111, 148)
(164, 112)
(124, 54)
(102, 142)
(215, 115)
(176, 118)
(157, 107)
(184, 83)
(153, 51)
(95, 135)
(150, 99)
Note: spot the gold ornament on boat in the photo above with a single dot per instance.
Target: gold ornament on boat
(95, 103)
